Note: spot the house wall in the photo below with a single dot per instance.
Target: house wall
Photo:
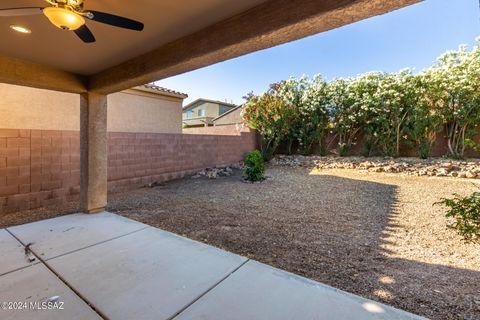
(42, 167)
(135, 111)
(211, 110)
(24, 107)
(128, 111)
(233, 117)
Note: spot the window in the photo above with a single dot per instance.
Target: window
(201, 112)
(189, 114)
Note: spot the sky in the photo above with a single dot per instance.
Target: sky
(410, 37)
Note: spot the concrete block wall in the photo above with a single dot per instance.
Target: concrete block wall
(38, 168)
(231, 129)
(42, 167)
(141, 158)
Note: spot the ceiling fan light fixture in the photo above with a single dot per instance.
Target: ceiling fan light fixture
(20, 29)
(63, 18)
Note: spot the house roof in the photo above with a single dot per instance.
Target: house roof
(153, 88)
(194, 103)
(228, 112)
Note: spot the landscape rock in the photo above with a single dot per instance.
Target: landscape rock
(439, 167)
(469, 174)
(442, 172)
(218, 171)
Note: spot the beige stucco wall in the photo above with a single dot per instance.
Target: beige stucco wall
(29, 108)
(128, 111)
(135, 111)
(233, 117)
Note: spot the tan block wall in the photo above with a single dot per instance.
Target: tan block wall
(142, 158)
(226, 130)
(38, 168)
(128, 111)
(42, 167)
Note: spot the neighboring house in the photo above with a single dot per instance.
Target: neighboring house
(201, 112)
(147, 108)
(232, 116)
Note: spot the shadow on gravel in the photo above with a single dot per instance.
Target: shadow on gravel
(420, 287)
(411, 285)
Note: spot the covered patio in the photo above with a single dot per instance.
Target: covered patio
(105, 266)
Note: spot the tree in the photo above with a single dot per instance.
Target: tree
(366, 86)
(424, 120)
(310, 117)
(313, 115)
(455, 94)
(346, 112)
(290, 91)
(397, 95)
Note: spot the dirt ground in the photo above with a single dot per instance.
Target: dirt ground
(372, 234)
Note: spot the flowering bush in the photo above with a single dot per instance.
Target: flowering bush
(390, 110)
(349, 105)
(455, 94)
(272, 117)
(310, 115)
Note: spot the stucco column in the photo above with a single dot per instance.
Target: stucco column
(93, 152)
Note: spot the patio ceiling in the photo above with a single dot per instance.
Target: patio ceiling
(179, 36)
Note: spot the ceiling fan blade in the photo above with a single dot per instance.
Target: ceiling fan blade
(85, 34)
(28, 11)
(116, 21)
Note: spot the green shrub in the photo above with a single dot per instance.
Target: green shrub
(254, 166)
(367, 147)
(466, 212)
(423, 151)
(472, 145)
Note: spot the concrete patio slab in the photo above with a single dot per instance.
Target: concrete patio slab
(127, 270)
(54, 237)
(149, 274)
(12, 253)
(36, 284)
(257, 291)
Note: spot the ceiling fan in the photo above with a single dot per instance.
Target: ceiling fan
(70, 15)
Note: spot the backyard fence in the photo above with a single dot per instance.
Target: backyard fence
(438, 149)
(42, 167)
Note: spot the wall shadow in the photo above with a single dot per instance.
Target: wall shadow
(352, 249)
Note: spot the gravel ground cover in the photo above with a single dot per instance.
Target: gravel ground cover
(372, 234)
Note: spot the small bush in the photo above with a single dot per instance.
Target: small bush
(472, 145)
(466, 212)
(423, 151)
(254, 166)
